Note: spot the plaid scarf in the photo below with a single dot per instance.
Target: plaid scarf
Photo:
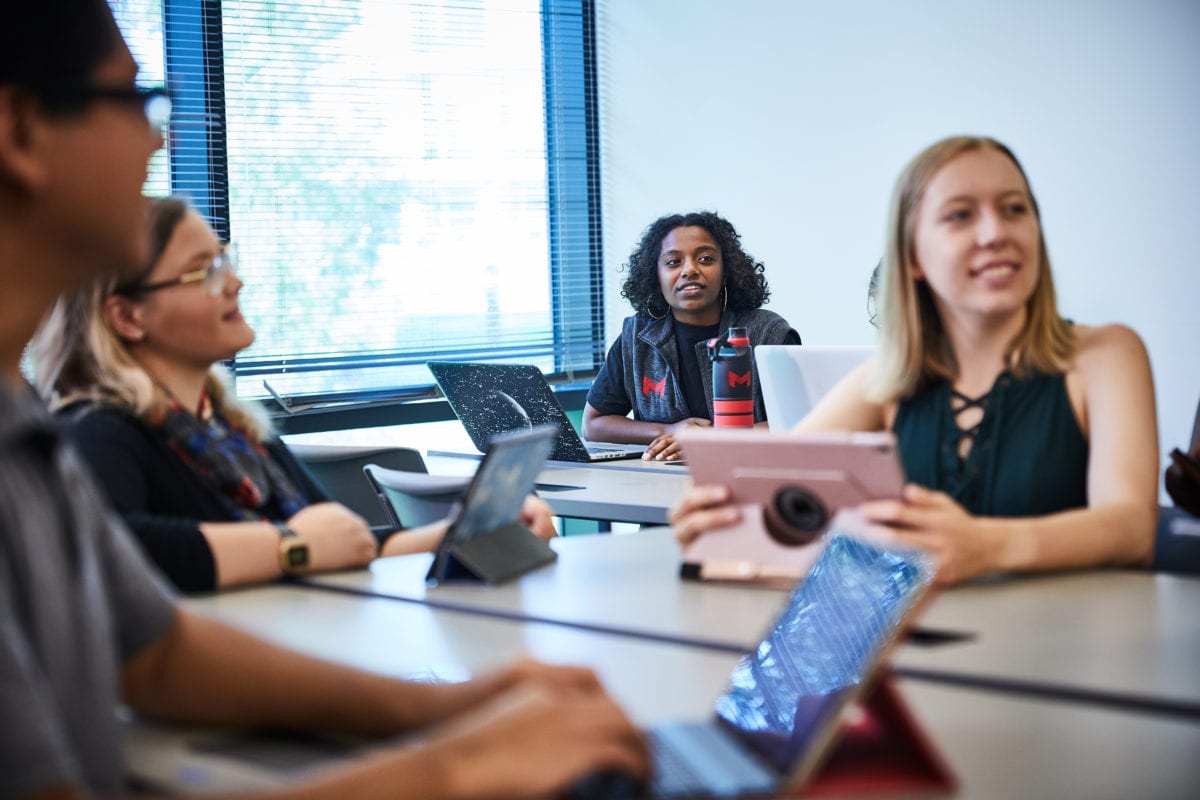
(239, 468)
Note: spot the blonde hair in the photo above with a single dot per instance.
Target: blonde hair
(77, 356)
(913, 348)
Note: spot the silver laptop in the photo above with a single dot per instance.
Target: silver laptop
(491, 399)
(794, 377)
(777, 720)
(779, 716)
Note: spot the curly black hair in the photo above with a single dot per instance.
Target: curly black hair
(743, 275)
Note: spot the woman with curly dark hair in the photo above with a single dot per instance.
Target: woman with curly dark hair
(688, 280)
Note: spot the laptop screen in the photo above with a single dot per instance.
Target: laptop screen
(838, 621)
(795, 377)
(491, 399)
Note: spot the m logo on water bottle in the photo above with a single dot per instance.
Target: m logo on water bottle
(732, 380)
(650, 387)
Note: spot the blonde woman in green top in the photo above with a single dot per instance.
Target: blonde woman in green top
(1031, 442)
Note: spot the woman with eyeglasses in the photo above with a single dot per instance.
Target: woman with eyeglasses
(215, 499)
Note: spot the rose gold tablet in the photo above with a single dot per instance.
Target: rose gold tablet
(788, 486)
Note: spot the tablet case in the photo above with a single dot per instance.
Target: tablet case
(494, 556)
(882, 750)
(788, 488)
(505, 550)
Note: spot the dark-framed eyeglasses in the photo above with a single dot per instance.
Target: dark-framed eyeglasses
(154, 102)
(212, 276)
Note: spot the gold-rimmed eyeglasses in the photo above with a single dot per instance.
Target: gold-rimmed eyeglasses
(212, 275)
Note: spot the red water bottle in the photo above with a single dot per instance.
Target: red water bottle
(733, 380)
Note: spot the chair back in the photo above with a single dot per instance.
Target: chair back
(1177, 536)
(1176, 542)
(411, 499)
(339, 470)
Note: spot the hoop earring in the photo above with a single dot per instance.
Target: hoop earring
(651, 313)
(725, 304)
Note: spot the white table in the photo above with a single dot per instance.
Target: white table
(1006, 746)
(627, 584)
(999, 746)
(1127, 635)
(1117, 637)
(410, 640)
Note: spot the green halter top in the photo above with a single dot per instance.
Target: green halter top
(1028, 458)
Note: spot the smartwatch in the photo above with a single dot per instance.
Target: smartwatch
(293, 551)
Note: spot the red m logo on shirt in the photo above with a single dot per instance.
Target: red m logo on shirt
(649, 386)
(735, 379)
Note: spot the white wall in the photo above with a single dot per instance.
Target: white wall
(793, 118)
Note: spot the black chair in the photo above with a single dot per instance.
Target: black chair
(1177, 542)
(1177, 536)
(412, 499)
(339, 470)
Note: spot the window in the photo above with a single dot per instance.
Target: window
(405, 181)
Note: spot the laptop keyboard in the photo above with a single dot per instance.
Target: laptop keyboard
(672, 770)
(689, 760)
(599, 452)
(700, 760)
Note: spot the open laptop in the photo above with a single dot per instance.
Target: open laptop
(490, 399)
(778, 718)
(773, 727)
(794, 377)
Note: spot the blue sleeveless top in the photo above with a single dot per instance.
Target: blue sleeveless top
(1029, 456)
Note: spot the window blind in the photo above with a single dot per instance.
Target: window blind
(141, 24)
(405, 181)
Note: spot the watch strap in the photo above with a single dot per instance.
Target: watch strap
(293, 551)
(284, 531)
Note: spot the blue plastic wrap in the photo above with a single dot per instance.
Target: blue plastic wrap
(824, 644)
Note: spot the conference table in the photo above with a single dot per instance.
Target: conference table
(998, 745)
(1121, 638)
(1077, 684)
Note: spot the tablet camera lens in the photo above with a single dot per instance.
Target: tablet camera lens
(802, 514)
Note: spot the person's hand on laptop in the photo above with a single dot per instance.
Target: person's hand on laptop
(664, 447)
(527, 730)
(534, 740)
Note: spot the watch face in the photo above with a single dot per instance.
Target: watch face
(297, 555)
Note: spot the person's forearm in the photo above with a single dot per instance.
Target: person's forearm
(244, 552)
(622, 430)
(1119, 534)
(203, 671)
(399, 774)
(414, 540)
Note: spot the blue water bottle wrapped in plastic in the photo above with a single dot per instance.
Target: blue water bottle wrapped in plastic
(733, 380)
